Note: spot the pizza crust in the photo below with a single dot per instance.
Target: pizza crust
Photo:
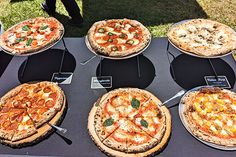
(146, 37)
(203, 44)
(55, 38)
(15, 137)
(187, 102)
(110, 148)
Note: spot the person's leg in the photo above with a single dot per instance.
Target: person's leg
(73, 10)
(49, 6)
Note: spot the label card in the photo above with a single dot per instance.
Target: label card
(62, 78)
(101, 82)
(222, 81)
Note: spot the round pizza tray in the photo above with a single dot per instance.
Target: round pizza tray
(111, 152)
(2, 28)
(114, 58)
(42, 132)
(185, 123)
(39, 51)
(193, 54)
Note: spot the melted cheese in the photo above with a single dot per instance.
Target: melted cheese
(23, 127)
(12, 38)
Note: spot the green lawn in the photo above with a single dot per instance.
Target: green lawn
(157, 15)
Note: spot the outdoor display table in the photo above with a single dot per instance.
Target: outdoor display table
(155, 76)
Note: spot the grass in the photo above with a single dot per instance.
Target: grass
(157, 15)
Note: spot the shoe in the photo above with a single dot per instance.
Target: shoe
(46, 9)
(76, 23)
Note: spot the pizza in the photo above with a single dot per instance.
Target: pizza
(118, 37)
(129, 121)
(26, 108)
(210, 114)
(31, 35)
(203, 37)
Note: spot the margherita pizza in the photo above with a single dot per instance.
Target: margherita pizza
(27, 107)
(129, 121)
(203, 37)
(31, 35)
(118, 37)
(210, 114)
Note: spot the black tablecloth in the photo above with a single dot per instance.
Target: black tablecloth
(81, 97)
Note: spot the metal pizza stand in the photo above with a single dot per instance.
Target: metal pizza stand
(192, 54)
(81, 97)
(97, 54)
(4, 58)
(213, 68)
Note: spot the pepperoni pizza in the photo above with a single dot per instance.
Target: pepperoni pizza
(129, 121)
(31, 35)
(27, 107)
(118, 37)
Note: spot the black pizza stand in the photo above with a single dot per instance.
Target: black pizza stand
(4, 58)
(80, 97)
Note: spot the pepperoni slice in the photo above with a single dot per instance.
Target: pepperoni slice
(41, 102)
(49, 103)
(34, 116)
(25, 100)
(5, 110)
(3, 118)
(17, 103)
(19, 118)
(47, 90)
(24, 93)
(12, 126)
(14, 117)
(37, 89)
(6, 124)
(53, 95)
(34, 99)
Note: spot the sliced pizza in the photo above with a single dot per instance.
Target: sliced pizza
(210, 114)
(129, 138)
(27, 107)
(129, 122)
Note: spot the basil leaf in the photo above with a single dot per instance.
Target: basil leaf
(144, 123)
(29, 41)
(25, 28)
(108, 122)
(135, 103)
(44, 27)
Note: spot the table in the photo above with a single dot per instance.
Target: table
(80, 98)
